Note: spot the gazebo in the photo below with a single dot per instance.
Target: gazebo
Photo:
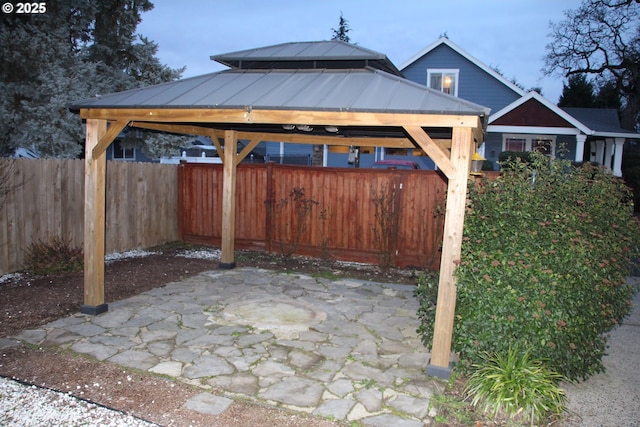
(323, 93)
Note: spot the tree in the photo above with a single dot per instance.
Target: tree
(578, 92)
(607, 96)
(78, 49)
(39, 74)
(601, 38)
(341, 32)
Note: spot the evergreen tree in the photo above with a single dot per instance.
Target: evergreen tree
(78, 49)
(608, 96)
(341, 32)
(578, 92)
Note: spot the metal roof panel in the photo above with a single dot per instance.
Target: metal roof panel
(334, 49)
(338, 90)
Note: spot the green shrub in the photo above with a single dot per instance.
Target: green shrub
(508, 158)
(545, 255)
(426, 292)
(516, 386)
(53, 256)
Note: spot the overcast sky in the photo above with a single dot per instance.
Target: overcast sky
(508, 34)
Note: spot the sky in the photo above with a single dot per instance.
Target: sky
(510, 35)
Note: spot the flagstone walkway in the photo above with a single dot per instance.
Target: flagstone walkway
(342, 349)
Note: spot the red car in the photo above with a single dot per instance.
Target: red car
(395, 164)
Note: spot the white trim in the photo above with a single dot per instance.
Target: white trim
(532, 129)
(616, 135)
(468, 56)
(544, 101)
(579, 126)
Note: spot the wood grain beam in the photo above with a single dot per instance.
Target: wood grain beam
(438, 154)
(105, 140)
(249, 147)
(227, 257)
(249, 115)
(462, 145)
(94, 219)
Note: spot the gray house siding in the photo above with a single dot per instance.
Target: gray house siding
(474, 85)
(138, 155)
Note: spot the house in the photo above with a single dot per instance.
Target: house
(520, 121)
(119, 150)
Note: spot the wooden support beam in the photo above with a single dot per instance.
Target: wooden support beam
(214, 138)
(227, 258)
(249, 115)
(462, 145)
(94, 219)
(437, 153)
(250, 146)
(105, 140)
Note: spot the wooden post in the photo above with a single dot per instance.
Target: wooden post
(461, 146)
(227, 258)
(94, 220)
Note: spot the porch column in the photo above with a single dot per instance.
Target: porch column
(94, 219)
(599, 157)
(608, 153)
(580, 140)
(617, 159)
(461, 147)
(227, 258)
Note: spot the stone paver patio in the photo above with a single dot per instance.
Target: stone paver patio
(343, 349)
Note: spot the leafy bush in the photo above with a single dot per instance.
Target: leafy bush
(426, 292)
(546, 251)
(53, 256)
(508, 158)
(517, 386)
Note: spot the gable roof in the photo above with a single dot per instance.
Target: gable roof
(561, 122)
(446, 42)
(589, 121)
(303, 55)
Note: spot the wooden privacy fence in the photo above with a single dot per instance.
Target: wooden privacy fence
(46, 197)
(391, 217)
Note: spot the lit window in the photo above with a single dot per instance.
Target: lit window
(443, 80)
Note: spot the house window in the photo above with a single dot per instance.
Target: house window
(515, 144)
(443, 80)
(543, 144)
(121, 153)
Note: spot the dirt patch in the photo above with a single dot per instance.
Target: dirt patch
(28, 302)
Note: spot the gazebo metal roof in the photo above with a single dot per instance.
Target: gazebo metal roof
(355, 90)
(322, 54)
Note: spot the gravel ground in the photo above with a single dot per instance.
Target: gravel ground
(27, 405)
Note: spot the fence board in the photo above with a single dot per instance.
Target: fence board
(48, 199)
(340, 225)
